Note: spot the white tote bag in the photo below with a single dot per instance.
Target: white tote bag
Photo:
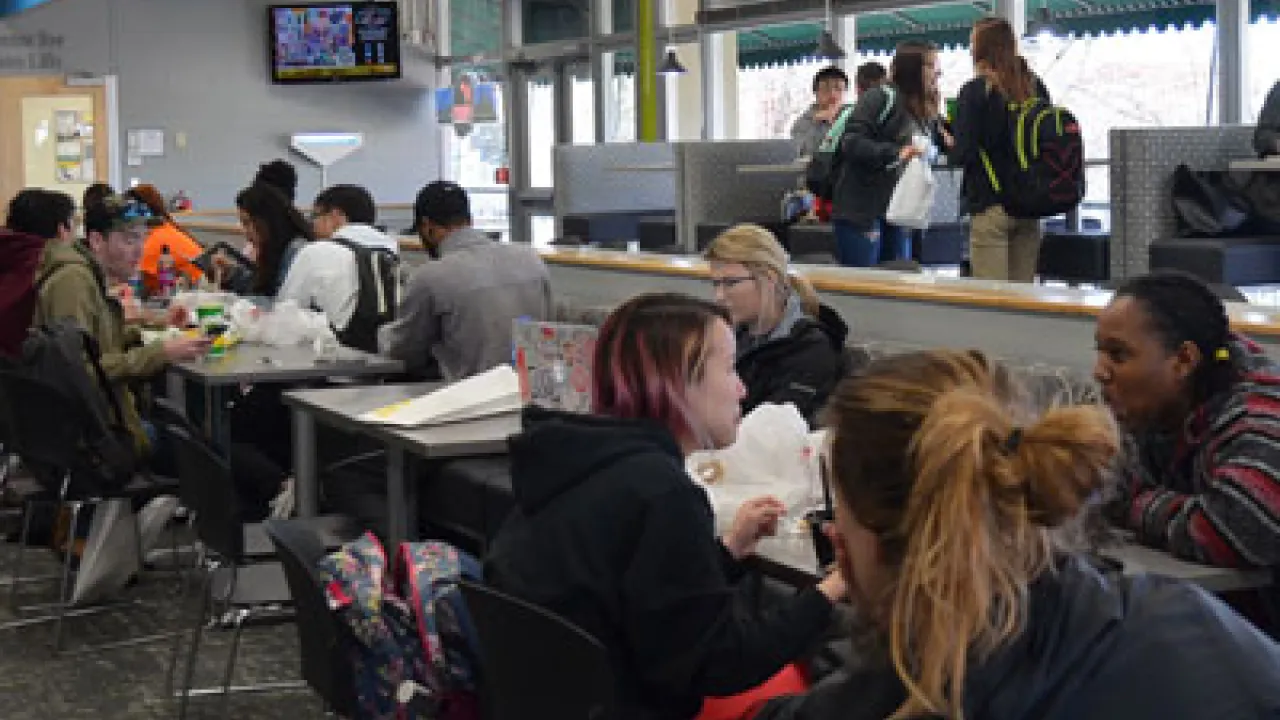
(912, 201)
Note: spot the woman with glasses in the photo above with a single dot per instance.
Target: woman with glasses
(610, 532)
(891, 124)
(790, 347)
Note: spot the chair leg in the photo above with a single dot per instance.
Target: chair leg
(18, 552)
(67, 591)
(197, 628)
(240, 617)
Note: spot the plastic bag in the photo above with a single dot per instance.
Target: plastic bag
(113, 549)
(912, 203)
(775, 454)
(284, 325)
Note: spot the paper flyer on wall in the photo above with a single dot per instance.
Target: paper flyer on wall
(490, 393)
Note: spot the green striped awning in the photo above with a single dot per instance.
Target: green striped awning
(949, 25)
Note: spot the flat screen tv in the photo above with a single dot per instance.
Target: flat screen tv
(341, 42)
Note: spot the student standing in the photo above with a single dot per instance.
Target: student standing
(829, 87)
(890, 125)
(1001, 247)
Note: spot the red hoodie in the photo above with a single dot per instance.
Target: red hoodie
(19, 258)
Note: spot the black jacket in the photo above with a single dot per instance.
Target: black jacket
(982, 122)
(801, 368)
(1266, 138)
(1142, 648)
(610, 533)
(869, 156)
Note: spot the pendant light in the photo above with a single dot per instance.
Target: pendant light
(671, 65)
(828, 48)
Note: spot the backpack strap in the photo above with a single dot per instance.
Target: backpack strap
(94, 353)
(836, 131)
(891, 98)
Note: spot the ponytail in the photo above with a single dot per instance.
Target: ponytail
(964, 521)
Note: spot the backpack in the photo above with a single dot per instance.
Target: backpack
(407, 625)
(823, 171)
(1046, 177)
(66, 357)
(377, 298)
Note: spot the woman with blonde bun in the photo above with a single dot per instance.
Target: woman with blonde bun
(948, 493)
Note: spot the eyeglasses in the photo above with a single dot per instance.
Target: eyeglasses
(727, 283)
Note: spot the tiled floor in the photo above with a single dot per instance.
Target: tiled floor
(129, 683)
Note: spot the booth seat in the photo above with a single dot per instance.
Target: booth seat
(944, 244)
(1239, 262)
(620, 227)
(1075, 257)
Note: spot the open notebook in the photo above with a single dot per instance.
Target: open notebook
(490, 393)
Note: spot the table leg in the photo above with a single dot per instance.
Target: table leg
(175, 388)
(306, 482)
(397, 503)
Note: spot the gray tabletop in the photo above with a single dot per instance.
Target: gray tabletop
(792, 559)
(250, 363)
(342, 408)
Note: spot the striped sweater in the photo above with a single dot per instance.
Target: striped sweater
(1212, 493)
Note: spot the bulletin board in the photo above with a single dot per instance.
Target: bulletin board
(59, 142)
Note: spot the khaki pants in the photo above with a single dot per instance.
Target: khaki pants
(1003, 248)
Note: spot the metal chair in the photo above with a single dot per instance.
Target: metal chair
(323, 640)
(52, 445)
(247, 587)
(517, 682)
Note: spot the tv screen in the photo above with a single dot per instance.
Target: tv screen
(334, 42)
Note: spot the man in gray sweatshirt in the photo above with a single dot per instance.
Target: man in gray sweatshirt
(459, 310)
(829, 88)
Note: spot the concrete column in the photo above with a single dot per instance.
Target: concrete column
(1015, 11)
(1233, 70)
(845, 30)
(719, 53)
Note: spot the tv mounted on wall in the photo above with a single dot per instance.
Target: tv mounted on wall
(342, 42)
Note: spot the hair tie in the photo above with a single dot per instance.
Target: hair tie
(1222, 354)
(1012, 442)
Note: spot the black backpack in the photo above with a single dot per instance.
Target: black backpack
(66, 358)
(1046, 175)
(378, 296)
(823, 171)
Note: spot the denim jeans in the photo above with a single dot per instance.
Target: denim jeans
(862, 247)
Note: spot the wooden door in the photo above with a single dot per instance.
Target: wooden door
(51, 136)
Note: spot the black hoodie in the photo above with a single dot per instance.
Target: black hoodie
(802, 367)
(610, 533)
(1141, 648)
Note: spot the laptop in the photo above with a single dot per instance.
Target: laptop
(553, 361)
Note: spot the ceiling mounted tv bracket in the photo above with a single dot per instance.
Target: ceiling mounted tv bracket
(325, 149)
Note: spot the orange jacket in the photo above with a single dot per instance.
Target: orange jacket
(181, 245)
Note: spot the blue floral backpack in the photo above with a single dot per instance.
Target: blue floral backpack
(409, 624)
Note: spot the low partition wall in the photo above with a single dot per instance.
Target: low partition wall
(1027, 323)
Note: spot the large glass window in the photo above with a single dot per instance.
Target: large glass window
(1264, 64)
(553, 20)
(542, 133)
(620, 98)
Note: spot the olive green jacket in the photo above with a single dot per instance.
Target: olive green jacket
(71, 284)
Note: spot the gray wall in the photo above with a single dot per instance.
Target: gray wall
(200, 67)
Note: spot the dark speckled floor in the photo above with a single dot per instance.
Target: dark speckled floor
(128, 683)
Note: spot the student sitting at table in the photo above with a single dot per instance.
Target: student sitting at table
(946, 496)
(1202, 406)
(458, 311)
(330, 276)
(81, 282)
(790, 347)
(164, 233)
(1266, 137)
(611, 533)
(274, 232)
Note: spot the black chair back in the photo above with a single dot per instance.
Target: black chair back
(206, 488)
(325, 664)
(44, 439)
(517, 681)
